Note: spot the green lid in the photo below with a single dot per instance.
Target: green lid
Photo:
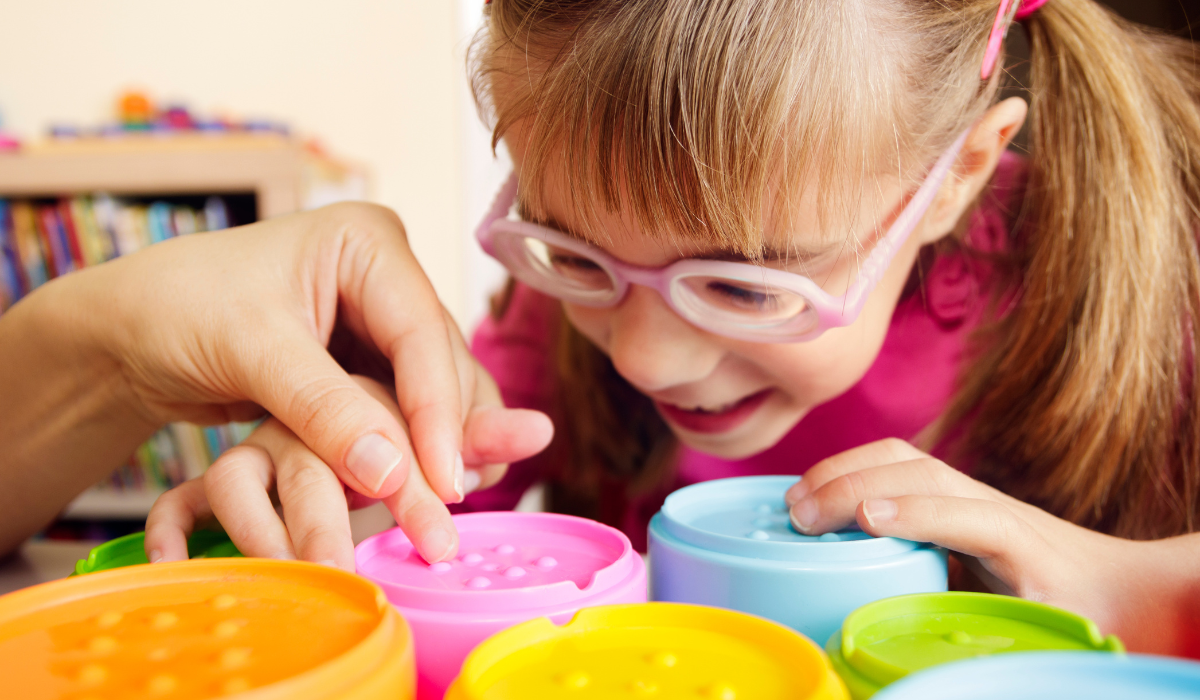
(886, 640)
(131, 549)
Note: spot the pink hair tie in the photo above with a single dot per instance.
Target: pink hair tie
(1008, 11)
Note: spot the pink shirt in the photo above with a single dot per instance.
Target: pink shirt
(907, 387)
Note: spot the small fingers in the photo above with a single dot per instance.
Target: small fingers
(874, 454)
(237, 486)
(424, 519)
(1005, 545)
(314, 506)
(832, 506)
(173, 519)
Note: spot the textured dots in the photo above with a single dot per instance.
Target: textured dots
(664, 659)
(234, 658)
(829, 537)
(440, 567)
(514, 572)
(959, 637)
(226, 629)
(472, 559)
(764, 509)
(575, 680)
(102, 645)
(92, 674)
(160, 654)
(720, 691)
(505, 549)
(546, 563)
(108, 619)
(479, 582)
(162, 684)
(164, 620)
(643, 687)
(235, 685)
(223, 602)
(759, 535)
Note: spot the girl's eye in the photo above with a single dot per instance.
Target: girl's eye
(565, 261)
(742, 298)
(761, 303)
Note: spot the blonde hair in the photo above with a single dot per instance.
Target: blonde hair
(694, 115)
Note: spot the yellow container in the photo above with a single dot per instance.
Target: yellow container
(206, 628)
(649, 650)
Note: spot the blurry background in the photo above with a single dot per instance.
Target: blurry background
(379, 84)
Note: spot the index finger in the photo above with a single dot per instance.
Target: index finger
(382, 284)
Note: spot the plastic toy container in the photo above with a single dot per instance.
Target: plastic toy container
(664, 650)
(232, 628)
(131, 549)
(1054, 675)
(729, 543)
(882, 642)
(511, 567)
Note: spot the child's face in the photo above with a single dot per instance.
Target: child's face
(727, 397)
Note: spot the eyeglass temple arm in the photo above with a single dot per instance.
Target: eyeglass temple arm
(499, 209)
(871, 272)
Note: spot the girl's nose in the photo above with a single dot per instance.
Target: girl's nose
(653, 348)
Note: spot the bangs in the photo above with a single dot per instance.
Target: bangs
(700, 120)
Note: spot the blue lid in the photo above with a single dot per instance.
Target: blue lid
(1053, 675)
(747, 516)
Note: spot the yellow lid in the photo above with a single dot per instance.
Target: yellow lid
(205, 628)
(649, 650)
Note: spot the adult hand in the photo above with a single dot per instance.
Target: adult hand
(315, 526)
(223, 326)
(1142, 591)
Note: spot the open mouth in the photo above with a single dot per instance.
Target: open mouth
(718, 420)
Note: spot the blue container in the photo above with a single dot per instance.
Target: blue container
(729, 543)
(1053, 675)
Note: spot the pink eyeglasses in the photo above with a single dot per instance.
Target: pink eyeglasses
(737, 300)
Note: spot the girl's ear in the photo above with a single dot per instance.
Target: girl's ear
(976, 162)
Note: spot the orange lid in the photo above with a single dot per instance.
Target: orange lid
(206, 628)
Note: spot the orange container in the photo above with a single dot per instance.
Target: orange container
(206, 628)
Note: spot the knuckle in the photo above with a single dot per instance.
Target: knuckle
(852, 486)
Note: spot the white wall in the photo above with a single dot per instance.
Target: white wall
(381, 82)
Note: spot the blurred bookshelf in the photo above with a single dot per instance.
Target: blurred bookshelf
(70, 203)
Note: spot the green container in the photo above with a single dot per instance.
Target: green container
(131, 549)
(884, 641)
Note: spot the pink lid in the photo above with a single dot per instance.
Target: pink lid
(506, 562)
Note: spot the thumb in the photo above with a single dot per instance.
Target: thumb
(305, 388)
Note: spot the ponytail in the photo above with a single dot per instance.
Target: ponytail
(1083, 401)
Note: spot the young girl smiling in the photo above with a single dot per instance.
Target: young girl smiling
(787, 236)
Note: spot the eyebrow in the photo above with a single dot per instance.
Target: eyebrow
(769, 253)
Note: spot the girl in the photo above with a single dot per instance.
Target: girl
(764, 236)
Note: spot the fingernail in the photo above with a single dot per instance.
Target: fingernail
(285, 556)
(372, 459)
(797, 493)
(879, 510)
(458, 477)
(804, 514)
(472, 480)
(439, 544)
(328, 562)
(155, 556)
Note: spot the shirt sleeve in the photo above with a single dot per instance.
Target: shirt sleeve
(517, 349)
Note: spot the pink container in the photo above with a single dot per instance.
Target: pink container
(511, 567)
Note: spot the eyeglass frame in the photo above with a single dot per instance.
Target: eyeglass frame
(831, 311)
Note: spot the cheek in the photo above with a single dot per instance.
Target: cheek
(592, 323)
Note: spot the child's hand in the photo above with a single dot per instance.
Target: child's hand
(273, 465)
(1137, 590)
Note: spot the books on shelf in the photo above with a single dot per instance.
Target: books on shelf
(44, 239)
(41, 239)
